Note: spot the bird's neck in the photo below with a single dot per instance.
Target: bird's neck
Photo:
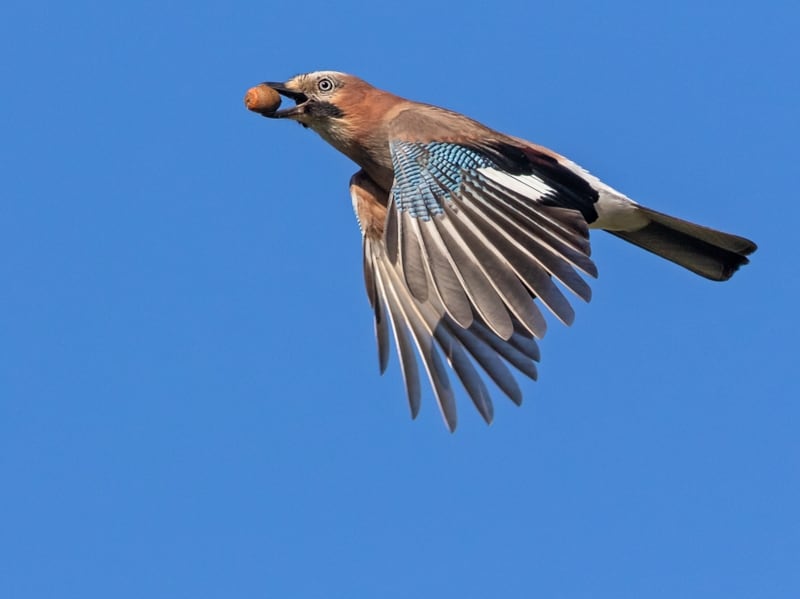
(363, 135)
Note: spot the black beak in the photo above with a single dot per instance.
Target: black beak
(300, 100)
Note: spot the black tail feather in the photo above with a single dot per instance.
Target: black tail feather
(707, 252)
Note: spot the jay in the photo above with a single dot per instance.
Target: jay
(463, 227)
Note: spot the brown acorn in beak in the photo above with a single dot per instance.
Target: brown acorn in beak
(262, 99)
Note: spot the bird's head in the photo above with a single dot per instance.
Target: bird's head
(321, 98)
(344, 110)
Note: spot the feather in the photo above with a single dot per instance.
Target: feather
(405, 353)
(377, 302)
(496, 269)
(524, 265)
(412, 260)
(391, 233)
(509, 352)
(551, 259)
(529, 189)
(489, 360)
(382, 336)
(485, 298)
(525, 344)
(444, 274)
(404, 309)
(451, 345)
(710, 253)
(572, 247)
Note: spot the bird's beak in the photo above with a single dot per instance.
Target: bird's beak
(299, 98)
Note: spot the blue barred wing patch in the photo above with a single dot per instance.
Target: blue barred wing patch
(426, 175)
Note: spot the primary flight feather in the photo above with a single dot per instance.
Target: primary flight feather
(463, 227)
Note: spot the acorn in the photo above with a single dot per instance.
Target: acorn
(262, 98)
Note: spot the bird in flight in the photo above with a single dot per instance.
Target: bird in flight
(463, 227)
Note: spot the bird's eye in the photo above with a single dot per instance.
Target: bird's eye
(325, 85)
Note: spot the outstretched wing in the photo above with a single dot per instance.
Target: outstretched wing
(471, 235)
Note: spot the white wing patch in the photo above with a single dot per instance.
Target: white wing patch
(529, 186)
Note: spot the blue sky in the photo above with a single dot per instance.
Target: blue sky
(189, 397)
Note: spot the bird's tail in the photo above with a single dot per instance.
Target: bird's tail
(707, 252)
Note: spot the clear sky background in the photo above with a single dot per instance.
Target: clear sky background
(190, 403)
